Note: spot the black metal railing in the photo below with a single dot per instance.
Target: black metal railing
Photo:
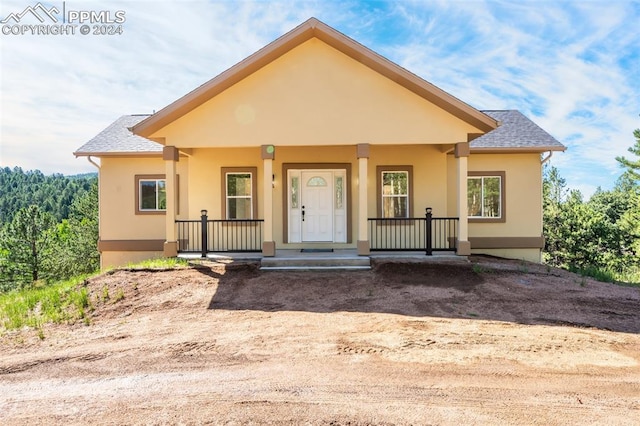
(426, 233)
(233, 235)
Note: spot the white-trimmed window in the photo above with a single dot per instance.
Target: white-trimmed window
(485, 196)
(239, 193)
(395, 193)
(151, 194)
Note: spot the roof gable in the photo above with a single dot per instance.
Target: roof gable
(314, 95)
(304, 32)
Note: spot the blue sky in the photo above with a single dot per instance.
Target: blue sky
(571, 66)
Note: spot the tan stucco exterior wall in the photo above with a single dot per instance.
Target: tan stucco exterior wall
(201, 187)
(523, 179)
(429, 168)
(527, 254)
(205, 176)
(523, 198)
(315, 95)
(110, 259)
(206, 190)
(117, 193)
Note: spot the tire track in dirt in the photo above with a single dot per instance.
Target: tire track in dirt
(46, 362)
(397, 345)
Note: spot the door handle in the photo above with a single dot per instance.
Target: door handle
(303, 213)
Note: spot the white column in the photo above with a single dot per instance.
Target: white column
(362, 151)
(462, 154)
(171, 156)
(268, 243)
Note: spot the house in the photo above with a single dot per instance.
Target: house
(315, 141)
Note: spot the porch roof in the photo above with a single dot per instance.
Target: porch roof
(515, 133)
(118, 140)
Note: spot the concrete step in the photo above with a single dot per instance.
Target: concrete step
(315, 263)
(315, 268)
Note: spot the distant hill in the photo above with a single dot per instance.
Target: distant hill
(52, 193)
(83, 176)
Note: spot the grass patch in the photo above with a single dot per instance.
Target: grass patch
(64, 301)
(160, 263)
(630, 277)
(105, 294)
(600, 274)
(524, 267)
(119, 295)
(583, 281)
(479, 269)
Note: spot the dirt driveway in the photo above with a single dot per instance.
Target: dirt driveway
(492, 342)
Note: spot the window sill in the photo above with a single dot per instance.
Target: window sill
(151, 212)
(486, 220)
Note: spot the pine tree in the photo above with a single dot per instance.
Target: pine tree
(632, 166)
(25, 242)
(75, 241)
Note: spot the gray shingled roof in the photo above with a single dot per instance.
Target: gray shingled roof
(118, 139)
(516, 132)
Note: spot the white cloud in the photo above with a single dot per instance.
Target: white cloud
(570, 66)
(58, 92)
(565, 65)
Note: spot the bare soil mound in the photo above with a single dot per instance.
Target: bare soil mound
(406, 343)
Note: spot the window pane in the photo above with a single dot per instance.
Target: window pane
(295, 190)
(491, 197)
(238, 184)
(147, 195)
(162, 195)
(316, 181)
(394, 206)
(474, 197)
(239, 208)
(395, 183)
(339, 196)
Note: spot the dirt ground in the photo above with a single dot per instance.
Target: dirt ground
(486, 342)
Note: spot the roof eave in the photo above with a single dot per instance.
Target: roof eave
(305, 31)
(119, 154)
(519, 149)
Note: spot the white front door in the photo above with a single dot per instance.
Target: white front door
(316, 199)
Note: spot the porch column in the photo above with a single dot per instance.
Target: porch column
(171, 156)
(268, 244)
(362, 152)
(462, 154)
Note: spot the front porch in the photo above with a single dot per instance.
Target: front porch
(416, 236)
(350, 203)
